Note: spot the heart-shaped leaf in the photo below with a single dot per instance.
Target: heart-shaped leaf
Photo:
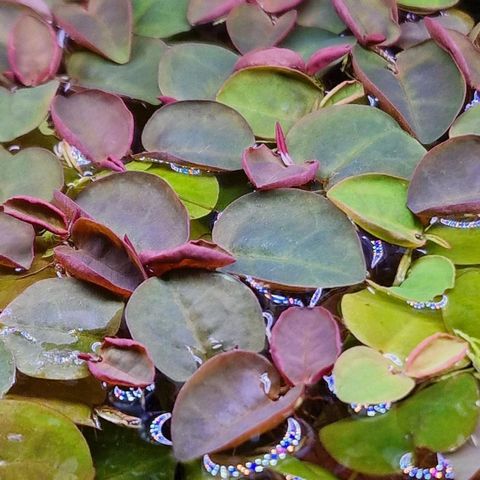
(434, 355)
(305, 357)
(427, 278)
(267, 171)
(33, 51)
(200, 11)
(140, 206)
(375, 143)
(105, 26)
(434, 188)
(241, 406)
(266, 95)
(278, 57)
(467, 123)
(23, 110)
(462, 311)
(135, 79)
(202, 314)
(104, 141)
(160, 18)
(378, 204)
(16, 242)
(212, 66)
(122, 362)
(388, 325)
(101, 258)
(249, 27)
(38, 213)
(198, 132)
(271, 245)
(51, 320)
(24, 426)
(34, 171)
(372, 22)
(364, 376)
(320, 14)
(438, 97)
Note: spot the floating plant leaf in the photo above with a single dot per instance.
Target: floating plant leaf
(427, 278)
(201, 314)
(249, 27)
(378, 204)
(372, 22)
(105, 26)
(160, 18)
(266, 95)
(266, 233)
(101, 258)
(435, 354)
(386, 324)
(278, 6)
(425, 73)
(136, 79)
(119, 453)
(200, 11)
(33, 51)
(7, 370)
(364, 376)
(198, 132)
(24, 427)
(467, 123)
(212, 65)
(33, 171)
(444, 182)
(375, 143)
(104, 141)
(50, 321)
(426, 6)
(308, 471)
(225, 403)
(320, 14)
(349, 91)
(139, 205)
(23, 110)
(462, 310)
(317, 338)
(326, 57)
(16, 242)
(273, 56)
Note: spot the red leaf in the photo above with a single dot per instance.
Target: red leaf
(97, 123)
(38, 213)
(16, 242)
(325, 56)
(307, 355)
(278, 57)
(231, 398)
(122, 362)
(200, 11)
(101, 258)
(267, 170)
(33, 51)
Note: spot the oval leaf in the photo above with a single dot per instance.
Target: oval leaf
(278, 57)
(468, 123)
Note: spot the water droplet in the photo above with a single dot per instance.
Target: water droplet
(14, 148)
(15, 437)
(195, 357)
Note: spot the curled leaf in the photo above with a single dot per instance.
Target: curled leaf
(325, 56)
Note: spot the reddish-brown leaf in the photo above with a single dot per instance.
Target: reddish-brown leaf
(307, 355)
(97, 123)
(16, 242)
(325, 56)
(101, 258)
(38, 213)
(122, 362)
(193, 254)
(231, 398)
(278, 57)
(70, 209)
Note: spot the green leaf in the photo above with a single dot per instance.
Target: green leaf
(427, 278)
(320, 14)
(212, 65)
(135, 79)
(7, 370)
(349, 91)
(467, 123)
(53, 319)
(378, 204)
(267, 233)
(119, 454)
(202, 314)
(386, 324)
(266, 95)
(37, 442)
(463, 310)
(426, 6)
(423, 90)
(24, 109)
(160, 18)
(198, 132)
(308, 471)
(375, 143)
